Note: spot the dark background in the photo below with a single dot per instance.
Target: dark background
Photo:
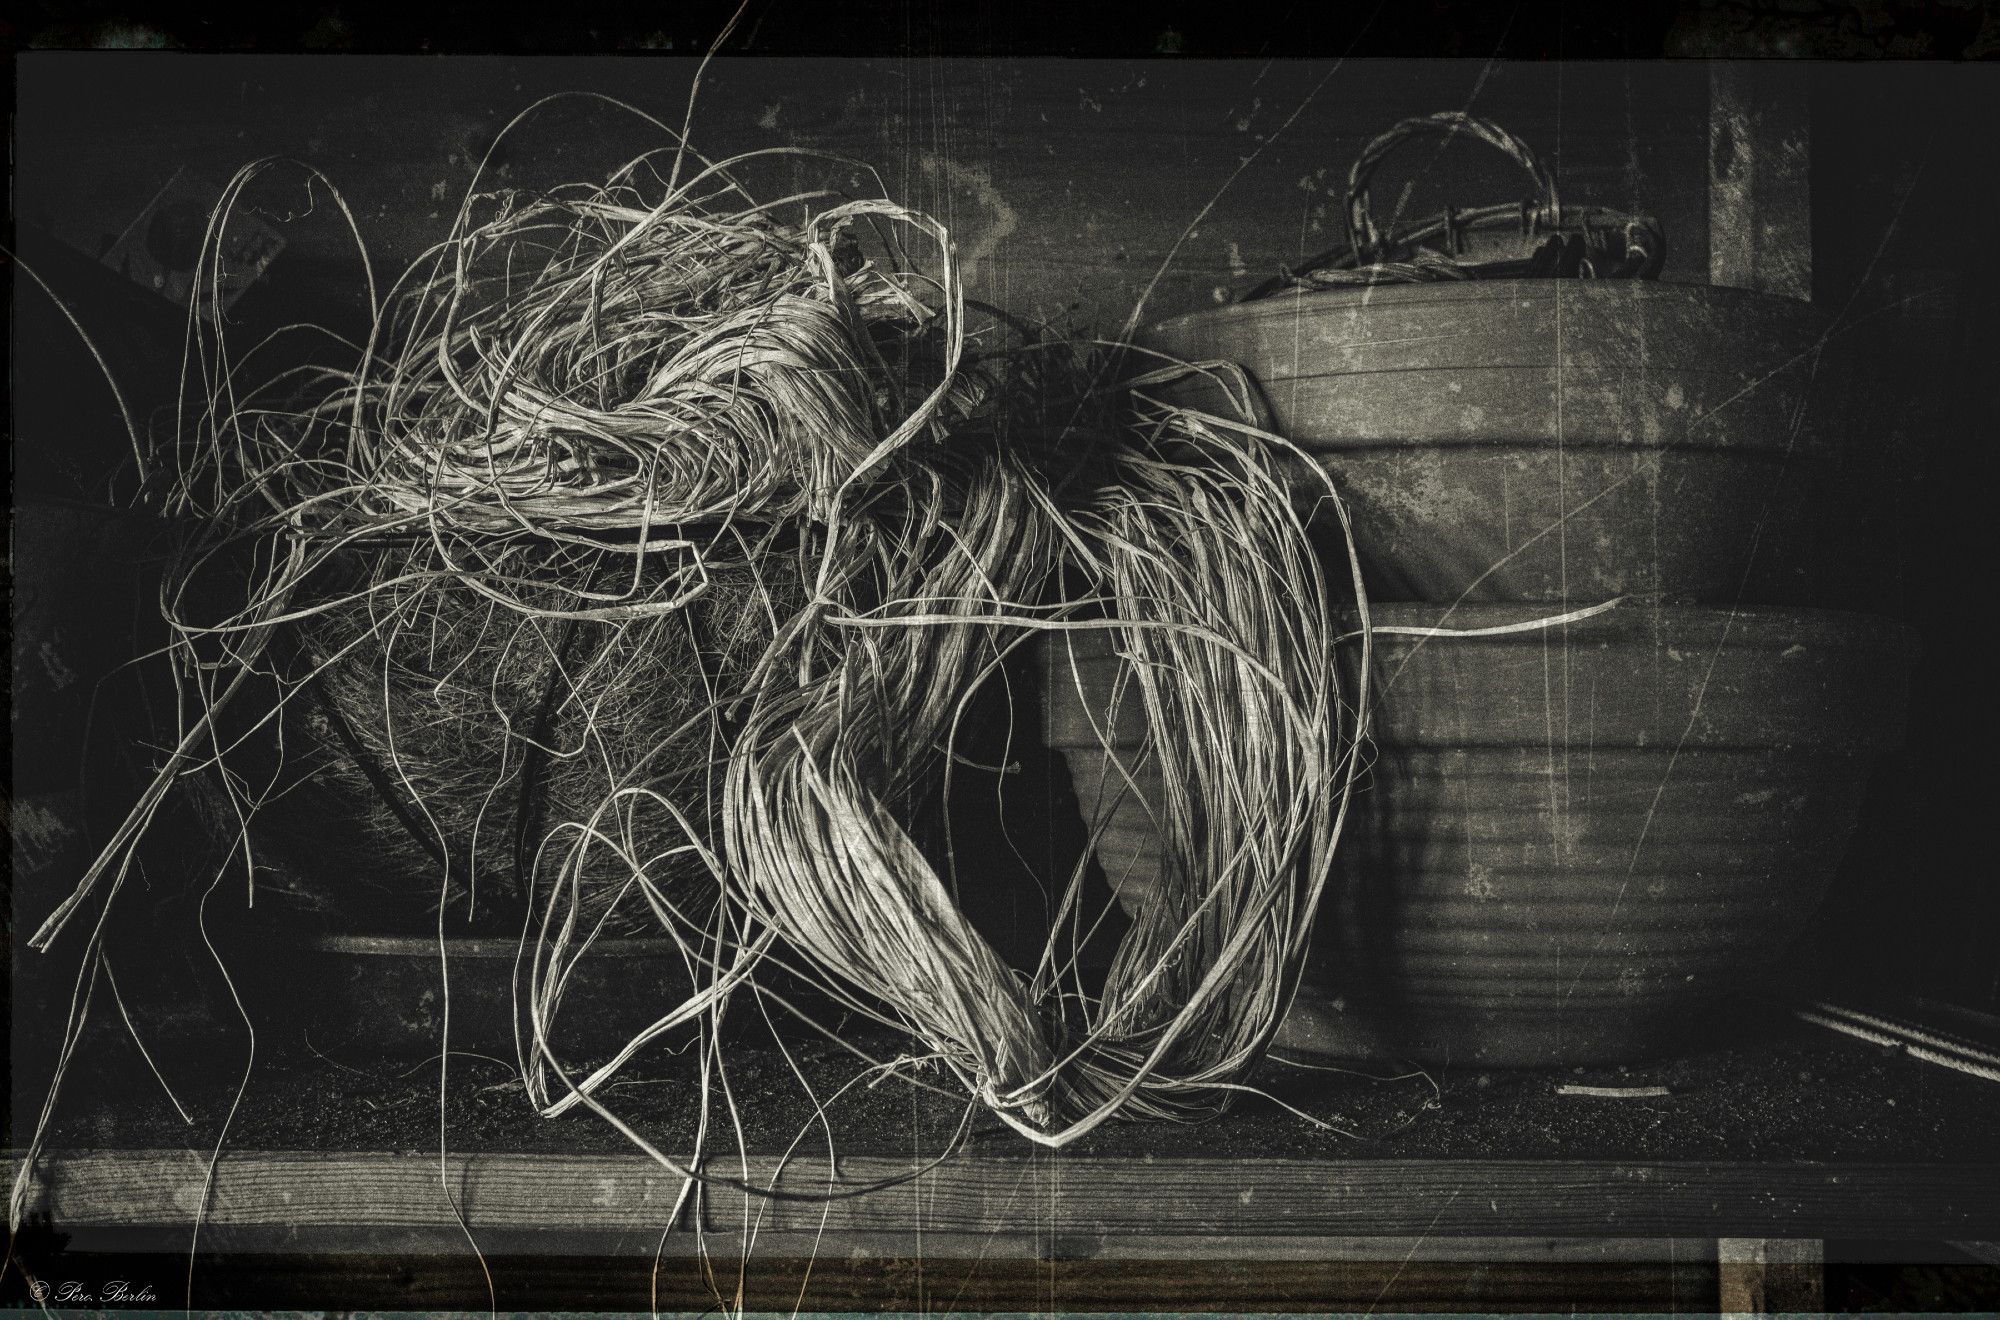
(1525, 29)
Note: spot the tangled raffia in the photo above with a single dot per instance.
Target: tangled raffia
(583, 406)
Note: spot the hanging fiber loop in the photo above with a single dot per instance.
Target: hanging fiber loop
(1369, 241)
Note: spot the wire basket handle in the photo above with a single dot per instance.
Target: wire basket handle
(1368, 241)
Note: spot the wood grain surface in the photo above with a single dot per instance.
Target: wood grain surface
(1060, 1204)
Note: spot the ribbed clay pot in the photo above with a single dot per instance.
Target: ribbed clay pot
(1571, 841)
(1549, 439)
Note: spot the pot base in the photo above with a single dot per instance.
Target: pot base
(1327, 1026)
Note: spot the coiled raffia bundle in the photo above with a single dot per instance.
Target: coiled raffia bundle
(588, 409)
(516, 595)
(1189, 551)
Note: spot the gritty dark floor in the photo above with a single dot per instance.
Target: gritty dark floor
(1771, 1089)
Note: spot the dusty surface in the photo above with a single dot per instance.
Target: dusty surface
(1780, 1091)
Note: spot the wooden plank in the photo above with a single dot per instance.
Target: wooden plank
(832, 1282)
(1759, 194)
(1019, 1244)
(282, 1201)
(1766, 1276)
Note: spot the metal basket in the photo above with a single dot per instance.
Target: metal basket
(1536, 238)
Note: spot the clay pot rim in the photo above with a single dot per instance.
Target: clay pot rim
(1745, 626)
(1811, 447)
(1863, 661)
(1810, 319)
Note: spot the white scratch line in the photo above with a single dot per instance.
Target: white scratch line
(1412, 1251)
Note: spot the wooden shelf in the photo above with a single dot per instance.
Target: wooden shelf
(1783, 1131)
(1047, 1205)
